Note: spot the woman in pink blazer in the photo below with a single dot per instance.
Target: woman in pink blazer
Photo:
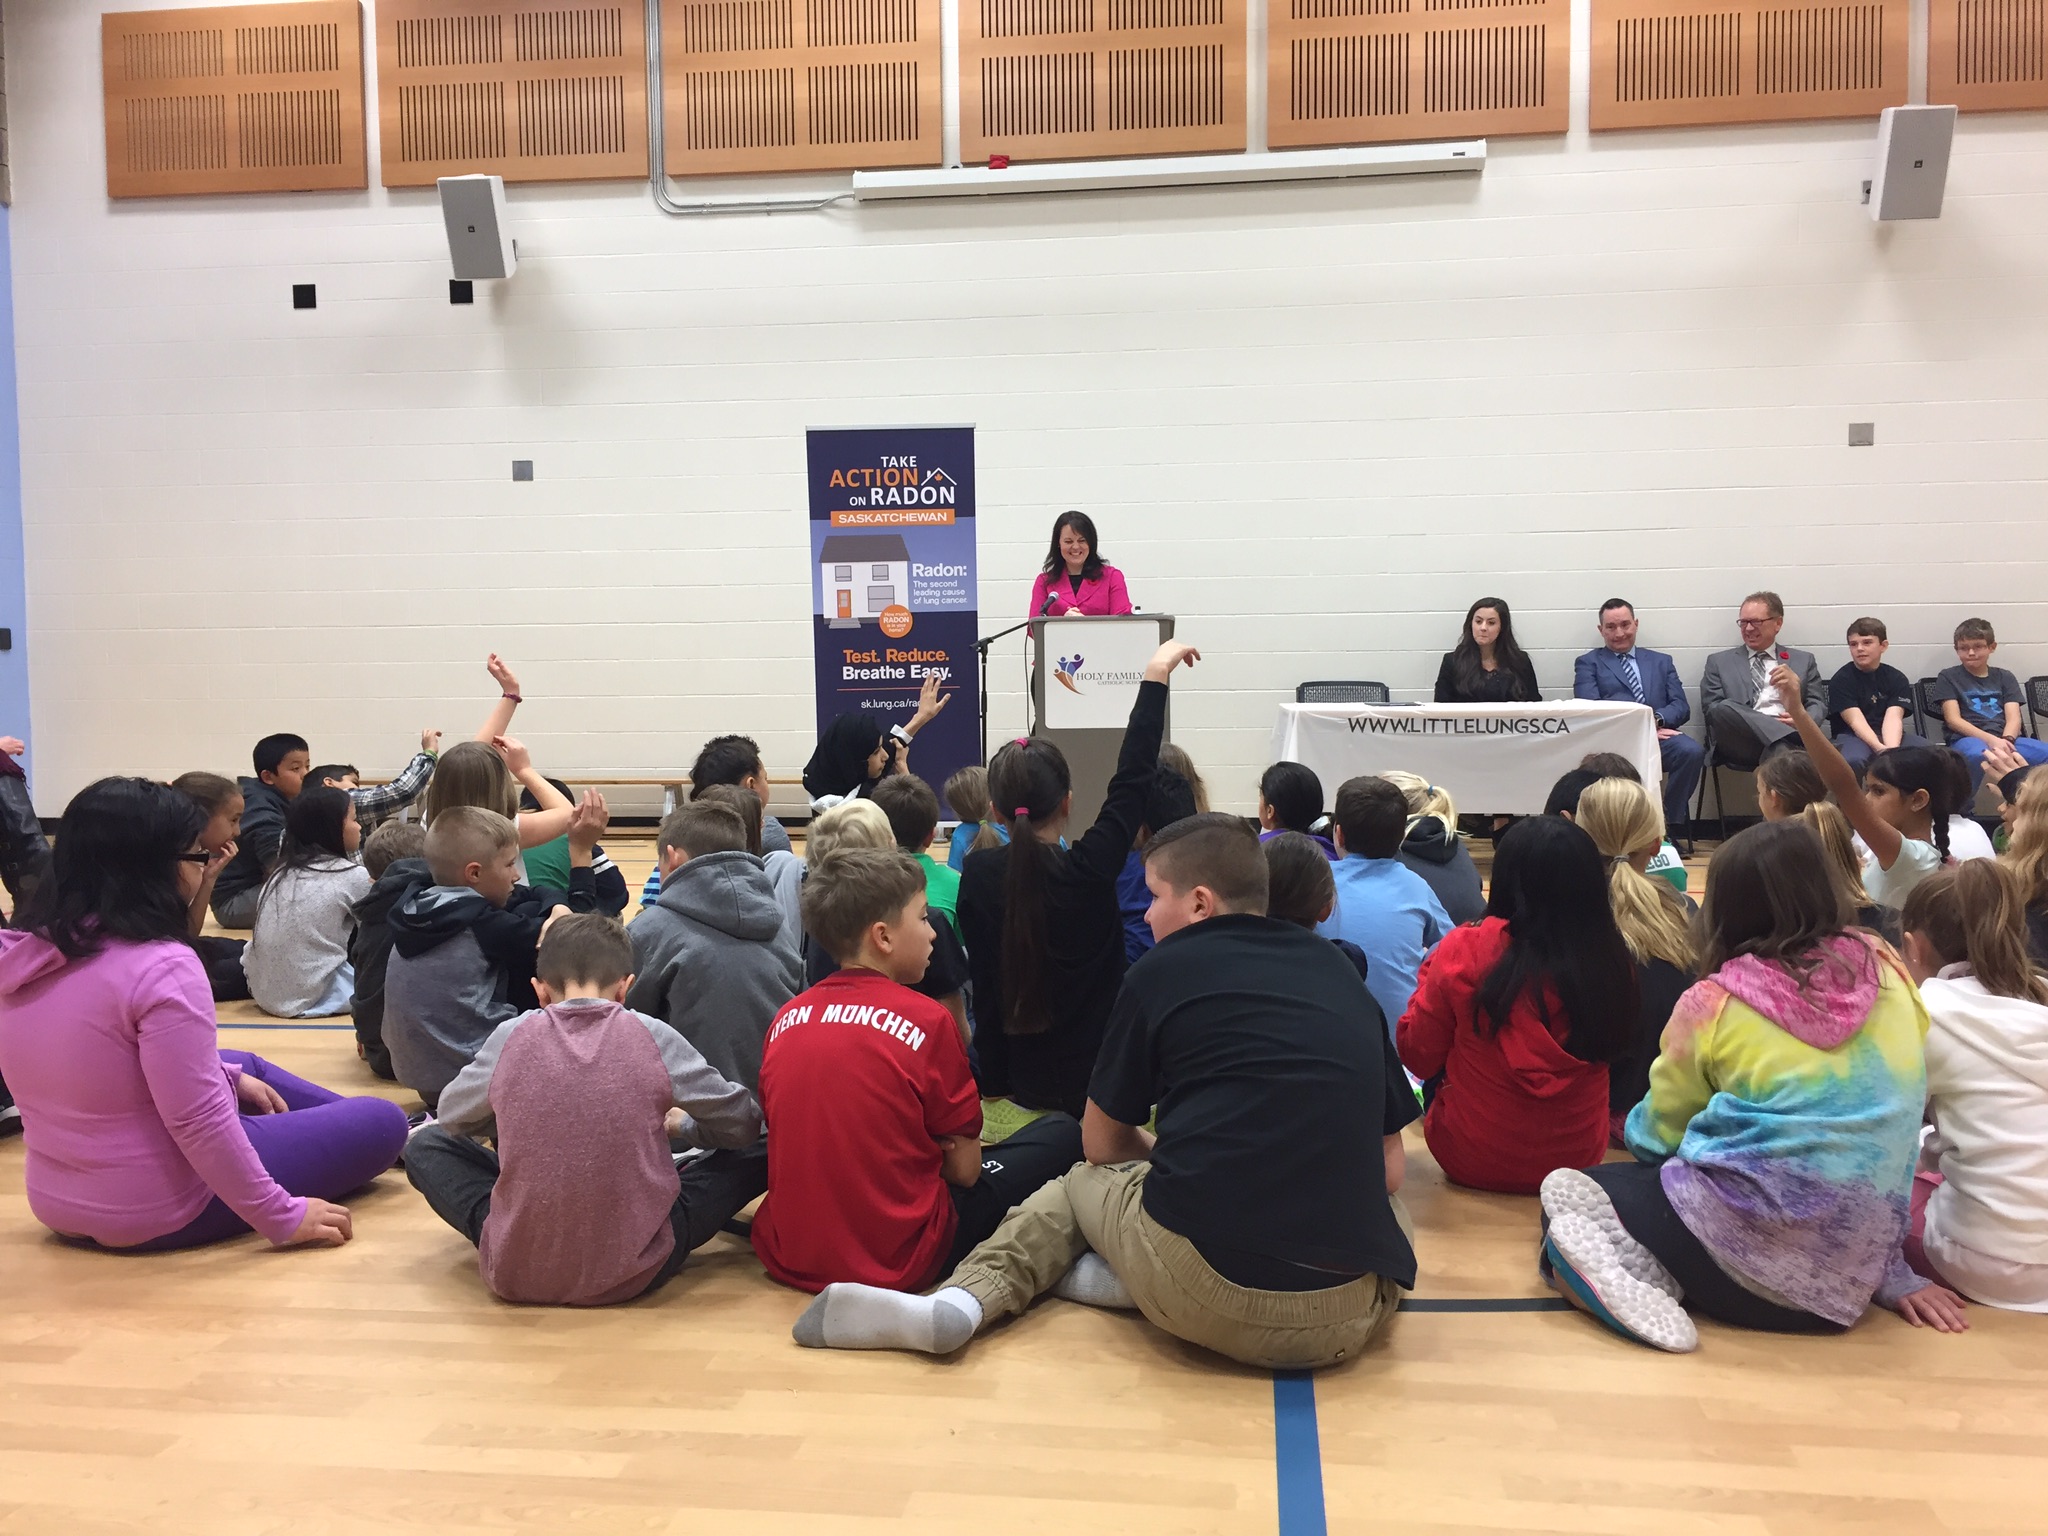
(1074, 579)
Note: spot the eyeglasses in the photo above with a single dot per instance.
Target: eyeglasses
(202, 857)
(1751, 623)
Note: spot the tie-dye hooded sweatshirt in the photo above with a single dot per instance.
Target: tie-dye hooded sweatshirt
(1789, 1108)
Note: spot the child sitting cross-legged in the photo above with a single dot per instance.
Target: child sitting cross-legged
(876, 1172)
(1259, 1222)
(394, 857)
(580, 1204)
(221, 801)
(297, 960)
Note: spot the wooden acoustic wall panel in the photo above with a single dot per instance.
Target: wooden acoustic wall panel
(240, 98)
(1070, 79)
(530, 90)
(1988, 55)
(800, 85)
(1661, 63)
(1378, 71)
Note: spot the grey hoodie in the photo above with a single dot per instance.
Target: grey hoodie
(712, 958)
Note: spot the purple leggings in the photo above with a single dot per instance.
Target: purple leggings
(322, 1147)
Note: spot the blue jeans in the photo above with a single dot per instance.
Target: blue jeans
(2032, 749)
(1856, 752)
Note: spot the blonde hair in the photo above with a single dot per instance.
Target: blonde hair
(2026, 851)
(1423, 797)
(1973, 913)
(1171, 756)
(1845, 867)
(1622, 819)
(849, 824)
(471, 773)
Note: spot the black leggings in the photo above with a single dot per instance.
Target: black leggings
(1637, 1190)
(1011, 1172)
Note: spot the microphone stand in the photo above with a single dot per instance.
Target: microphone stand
(981, 648)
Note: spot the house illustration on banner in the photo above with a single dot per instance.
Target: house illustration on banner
(863, 573)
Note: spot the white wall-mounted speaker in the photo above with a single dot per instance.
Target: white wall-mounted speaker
(473, 209)
(1912, 162)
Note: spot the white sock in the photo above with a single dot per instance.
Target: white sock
(868, 1317)
(1094, 1284)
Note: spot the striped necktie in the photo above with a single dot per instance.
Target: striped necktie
(1635, 678)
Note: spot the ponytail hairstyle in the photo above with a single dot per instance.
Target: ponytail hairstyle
(2026, 851)
(1425, 800)
(1562, 939)
(1845, 867)
(470, 773)
(1910, 770)
(1294, 794)
(967, 797)
(1793, 779)
(1972, 913)
(1030, 780)
(313, 831)
(1176, 759)
(1622, 819)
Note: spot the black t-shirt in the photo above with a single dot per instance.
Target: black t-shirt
(1873, 692)
(1268, 1062)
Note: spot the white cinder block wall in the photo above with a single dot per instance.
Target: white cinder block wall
(1315, 422)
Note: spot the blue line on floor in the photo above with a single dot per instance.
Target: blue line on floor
(1490, 1304)
(1298, 1455)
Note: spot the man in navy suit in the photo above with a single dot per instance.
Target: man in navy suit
(1621, 671)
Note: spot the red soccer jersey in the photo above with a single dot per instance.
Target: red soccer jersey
(859, 1079)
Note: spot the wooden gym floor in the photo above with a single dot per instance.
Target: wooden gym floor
(378, 1387)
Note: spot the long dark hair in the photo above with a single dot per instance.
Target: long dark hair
(1938, 770)
(1507, 656)
(1550, 885)
(1084, 525)
(839, 766)
(1028, 781)
(1295, 794)
(1770, 893)
(312, 829)
(114, 872)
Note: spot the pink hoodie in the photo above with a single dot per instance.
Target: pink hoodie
(128, 1111)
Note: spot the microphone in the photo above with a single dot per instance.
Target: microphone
(1050, 599)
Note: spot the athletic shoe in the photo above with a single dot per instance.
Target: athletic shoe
(1585, 1268)
(10, 1119)
(1568, 1192)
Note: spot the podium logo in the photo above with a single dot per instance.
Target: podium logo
(1068, 670)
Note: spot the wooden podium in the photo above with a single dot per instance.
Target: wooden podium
(1084, 678)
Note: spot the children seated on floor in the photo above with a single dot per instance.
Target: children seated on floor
(281, 762)
(297, 960)
(710, 956)
(1259, 1222)
(1516, 1017)
(736, 760)
(1291, 800)
(221, 800)
(490, 775)
(1169, 798)
(1044, 933)
(854, 752)
(1845, 866)
(578, 1201)
(1786, 784)
(2026, 855)
(142, 1133)
(1980, 1202)
(1383, 906)
(913, 812)
(785, 870)
(378, 803)
(876, 1171)
(462, 947)
(548, 864)
(1433, 849)
(967, 798)
(1666, 865)
(395, 859)
(1776, 1147)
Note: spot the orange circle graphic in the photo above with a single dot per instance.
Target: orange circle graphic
(895, 621)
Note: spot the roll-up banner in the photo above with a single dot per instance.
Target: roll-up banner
(896, 594)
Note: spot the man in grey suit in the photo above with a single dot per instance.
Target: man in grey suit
(1736, 697)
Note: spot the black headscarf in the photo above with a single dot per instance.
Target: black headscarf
(840, 765)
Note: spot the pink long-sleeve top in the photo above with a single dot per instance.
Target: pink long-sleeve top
(1104, 595)
(127, 1109)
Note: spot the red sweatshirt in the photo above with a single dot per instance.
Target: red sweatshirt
(1512, 1106)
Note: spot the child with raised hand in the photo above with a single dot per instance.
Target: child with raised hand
(1901, 809)
(221, 800)
(1845, 868)
(297, 960)
(578, 1201)
(860, 1060)
(377, 803)
(967, 798)
(142, 1133)
(1044, 932)
(1777, 1143)
(1980, 1208)
(1517, 1016)
(489, 775)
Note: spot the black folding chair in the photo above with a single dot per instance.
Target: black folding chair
(1710, 774)
(1928, 710)
(2036, 703)
(1343, 693)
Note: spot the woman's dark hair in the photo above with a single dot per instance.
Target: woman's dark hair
(1295, 794)
(1084, 525)
(1507, 656)
(1938, 770)
(1028, 782)
(1770, 893)
(1299, 885)
(839, 766)
(1550, 885)
(312, 829)
(114, 871)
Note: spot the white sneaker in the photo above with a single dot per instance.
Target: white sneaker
(1586, 1268)
(1568, 1192)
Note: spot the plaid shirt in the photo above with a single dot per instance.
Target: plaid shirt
(379, 802)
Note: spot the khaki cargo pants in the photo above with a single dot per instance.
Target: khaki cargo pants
(1101, 1208)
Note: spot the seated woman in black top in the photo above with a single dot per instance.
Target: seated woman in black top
(1487, 667)
(1042, 924)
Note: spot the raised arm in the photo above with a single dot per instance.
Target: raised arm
(930, 705)
(1835, 772)
(1099, 853)
(499, 720)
